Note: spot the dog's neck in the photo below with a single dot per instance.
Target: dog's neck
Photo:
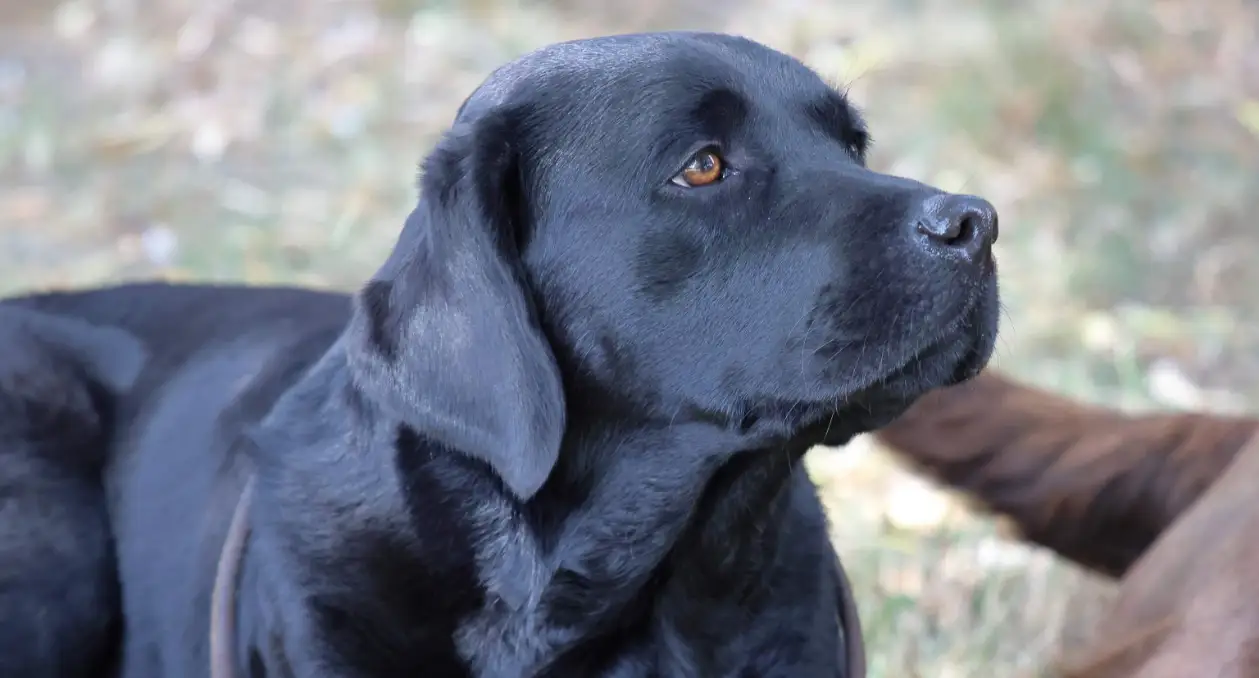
(630, 512)
(642, 489)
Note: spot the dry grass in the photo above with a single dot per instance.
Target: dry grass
(276, 140)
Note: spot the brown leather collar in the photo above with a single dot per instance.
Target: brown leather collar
(226, 575)
(223, 598)
(850, 621)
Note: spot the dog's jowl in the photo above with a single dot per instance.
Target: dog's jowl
(557, 433)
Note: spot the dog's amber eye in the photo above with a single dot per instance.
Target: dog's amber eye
(705, 167)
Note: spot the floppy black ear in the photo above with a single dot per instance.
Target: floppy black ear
(444, 335)
(106, 356)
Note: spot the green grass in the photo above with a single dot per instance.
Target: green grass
(277, 142)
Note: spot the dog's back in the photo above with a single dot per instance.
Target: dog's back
(107, 398)
(175, 319)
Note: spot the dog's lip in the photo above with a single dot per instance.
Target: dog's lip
(948, 332)
(881, 393)
(879, 402)
(951, 332)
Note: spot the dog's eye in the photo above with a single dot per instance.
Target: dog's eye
(705, 167)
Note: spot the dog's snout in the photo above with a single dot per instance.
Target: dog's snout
(961, 225)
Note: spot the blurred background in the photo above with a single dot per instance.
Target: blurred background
(277, 141)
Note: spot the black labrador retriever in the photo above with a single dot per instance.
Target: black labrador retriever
(558, 433)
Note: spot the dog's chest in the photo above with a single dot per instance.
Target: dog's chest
(632, 588)
(643, 642)
(601, 614)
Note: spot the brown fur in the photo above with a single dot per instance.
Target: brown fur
(1196, 587)
(1168, 502)
(1095, 485)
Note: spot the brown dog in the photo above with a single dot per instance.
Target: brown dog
(1167, 503)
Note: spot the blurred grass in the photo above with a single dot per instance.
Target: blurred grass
(274, 140)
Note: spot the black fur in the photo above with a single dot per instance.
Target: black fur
(557, 434)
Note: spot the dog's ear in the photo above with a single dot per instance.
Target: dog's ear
(445, 336)
(107, 356)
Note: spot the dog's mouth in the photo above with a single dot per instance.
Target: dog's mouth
(955, 353)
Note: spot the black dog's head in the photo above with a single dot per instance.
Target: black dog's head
(668, 227)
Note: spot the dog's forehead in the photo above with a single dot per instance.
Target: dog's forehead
(614, 57)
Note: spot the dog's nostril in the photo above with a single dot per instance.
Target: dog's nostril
(945, 231)
(963, 224)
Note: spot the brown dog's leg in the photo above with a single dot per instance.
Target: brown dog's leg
(1095, 485)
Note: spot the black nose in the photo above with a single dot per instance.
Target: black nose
(963, 226)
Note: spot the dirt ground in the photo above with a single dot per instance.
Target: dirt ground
(277, 141)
